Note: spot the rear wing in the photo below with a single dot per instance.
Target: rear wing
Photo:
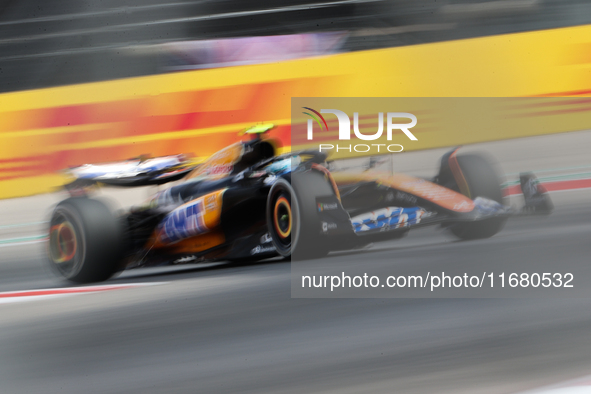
(131, 173)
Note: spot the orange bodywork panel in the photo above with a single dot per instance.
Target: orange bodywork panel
(192, 227)
(220, 164)
(198, 243)
(429, 191)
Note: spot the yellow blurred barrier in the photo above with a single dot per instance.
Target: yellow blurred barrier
(43, 131)
(440, 122)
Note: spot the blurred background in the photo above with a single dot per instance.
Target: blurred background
(109, 80)
(56, 42)
(209, 68)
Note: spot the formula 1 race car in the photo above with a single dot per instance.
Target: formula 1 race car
(247, 203)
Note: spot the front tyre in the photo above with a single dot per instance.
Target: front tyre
(86, 241)
(481, 180)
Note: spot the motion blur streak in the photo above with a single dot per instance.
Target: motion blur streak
(228, 328)
(237, 329)
(46, 130)
(234, 328)
(43, 131)
(35, 295)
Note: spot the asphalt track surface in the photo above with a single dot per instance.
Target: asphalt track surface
(228, 329)
(236, 329)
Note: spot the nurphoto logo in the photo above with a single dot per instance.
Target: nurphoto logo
(345, 130)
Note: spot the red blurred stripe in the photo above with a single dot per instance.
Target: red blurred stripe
(553, 186)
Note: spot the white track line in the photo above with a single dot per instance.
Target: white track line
(21, 243)
(34, 239)
(576, 386)
(22, 225)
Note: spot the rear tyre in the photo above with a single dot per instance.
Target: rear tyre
(482, 181)
(292, 218)
(86, 241)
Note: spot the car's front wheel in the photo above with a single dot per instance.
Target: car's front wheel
(480, 180)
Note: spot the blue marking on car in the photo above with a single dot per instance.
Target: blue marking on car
(387, 218)
(184, 222)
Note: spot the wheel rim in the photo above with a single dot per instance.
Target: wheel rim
(64, 245)
(282, 219)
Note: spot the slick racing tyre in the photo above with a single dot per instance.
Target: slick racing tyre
(292, 219)
(482, 181)
(85, 240)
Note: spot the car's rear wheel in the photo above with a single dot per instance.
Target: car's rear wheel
(481, 180)
(85, 240)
